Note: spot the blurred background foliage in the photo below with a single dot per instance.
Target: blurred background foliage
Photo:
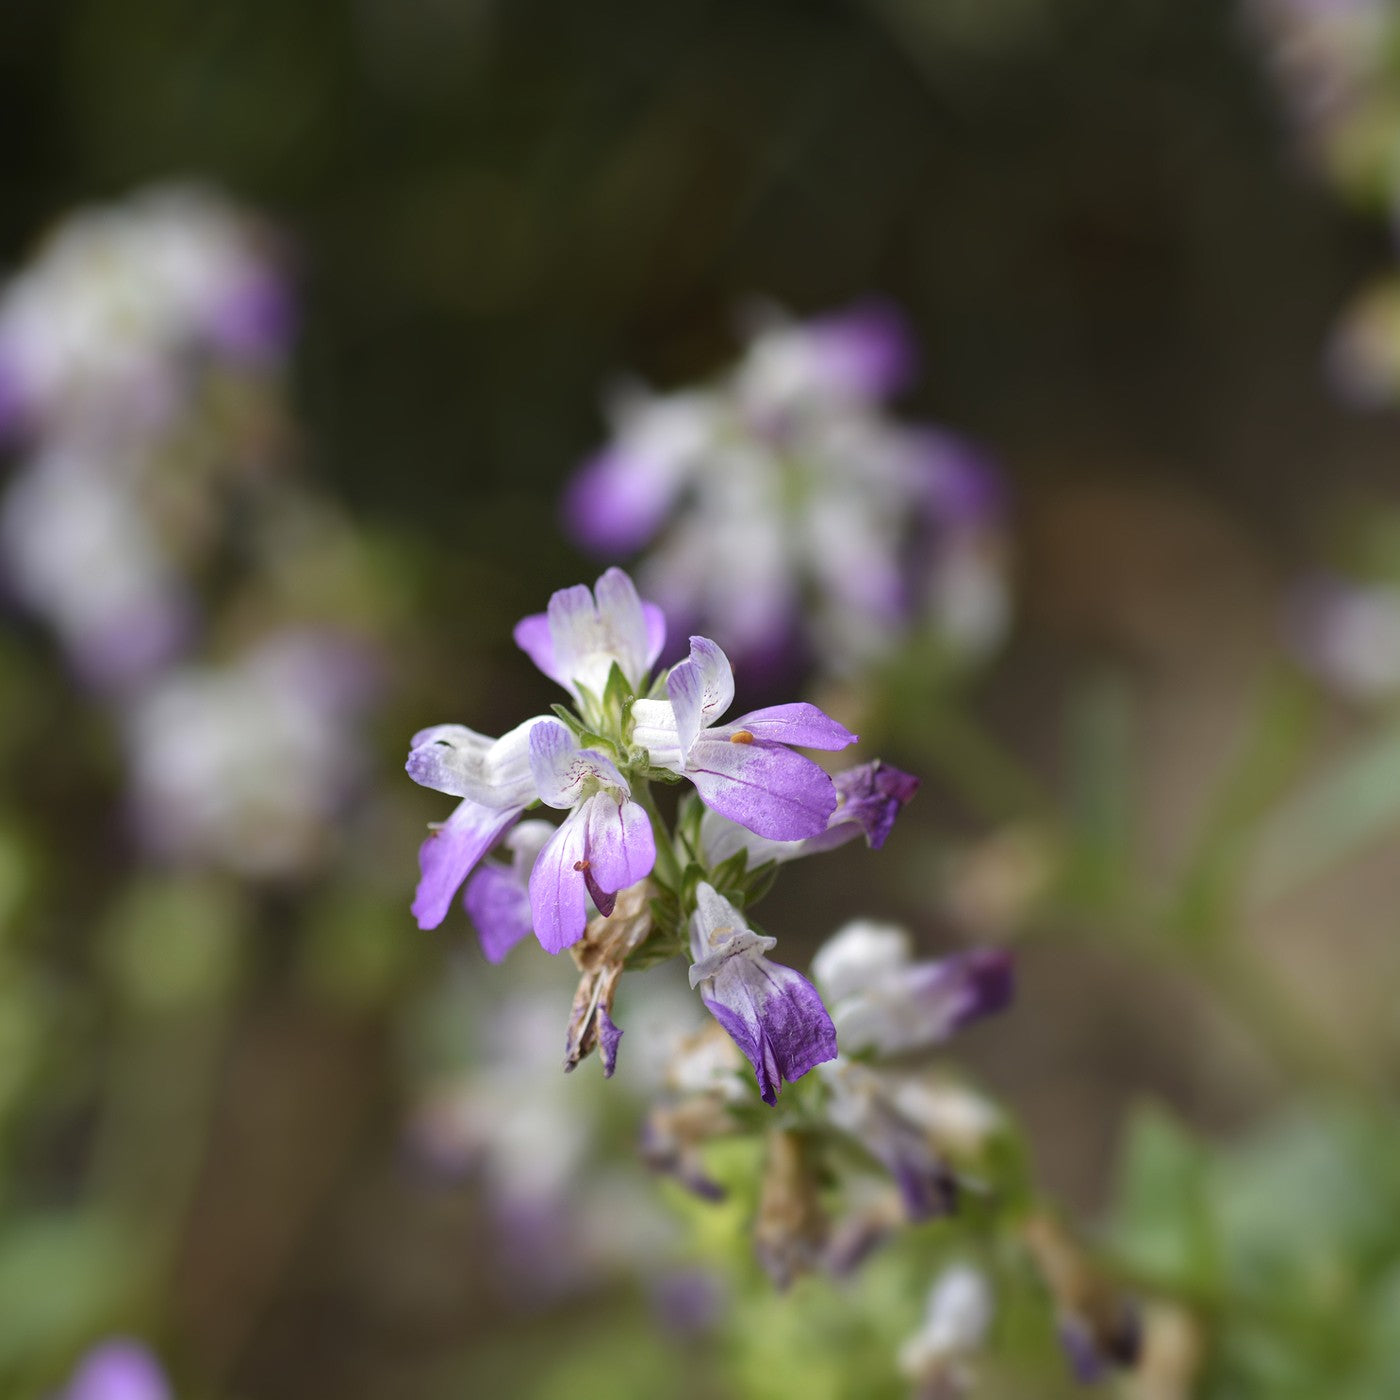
(1123, 275)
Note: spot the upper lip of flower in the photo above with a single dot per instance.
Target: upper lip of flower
(585, 632)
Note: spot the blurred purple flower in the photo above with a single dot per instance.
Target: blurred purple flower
(1348, 635)
(245, 766)
(78, 549)
(884, 1002)
(118, 1369)
(783, 495)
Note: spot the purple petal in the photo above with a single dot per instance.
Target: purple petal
(558, 903)
(700, 688)
(776, 1017)
(619, 497)
(988, 983)
(256, 318)
(1081, 1351)
(119, 1369)
(800, 724)
(446, 858)
(532, 637)
(655, 621)
(621, 848)
(871, 796)
(926, 1185)
(554, 765)
(867, 351)
(559, 768)
(962, 487)
(617, 501)
(765, 787)
(499, 906)
(608, 1037)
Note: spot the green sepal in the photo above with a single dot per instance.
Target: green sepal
(759, 881)
(728, 877)
(658, 948)
(587, 701)
(618, 693)
(570, 720)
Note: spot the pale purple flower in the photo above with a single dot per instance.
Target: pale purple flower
(622, 495)
(604, 845)
(120, 1368)
(1348, 635)
(689, 1302)
(244, 766)
(884, 1002)
(772, 1013)
(869, 798)
(586, 631)
(957, 1319)
(494, 780)
(859, 1104)
(101, 325)
(78, 549)
(497, 897)
(782, 500)
(746, 769)
(858, 356)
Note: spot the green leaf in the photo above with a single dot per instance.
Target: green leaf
(1350, 807)
(1163, 1225)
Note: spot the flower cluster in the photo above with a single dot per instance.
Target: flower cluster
(620, 888)
(142, 358)
(108, 340)
(1334, 61)
(754, 800)
(868, 1107)
(784, 492)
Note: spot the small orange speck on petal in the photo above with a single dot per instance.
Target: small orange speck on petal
(741, 736)
(580, 865)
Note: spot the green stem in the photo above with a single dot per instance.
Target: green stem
(668, 869)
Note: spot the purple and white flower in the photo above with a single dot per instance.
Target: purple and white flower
(493, 778)
(245, 766)
(102, 324)
(79, 549)
(1348, 635)
(782, 499)
(773, 1014)
(746, 769)
(604, 845)
(860, 1105)
(885, 1003)
(585, 632)
(869, 798)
